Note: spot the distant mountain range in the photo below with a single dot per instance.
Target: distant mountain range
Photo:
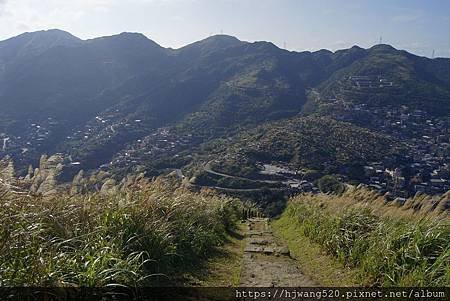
(95, 99)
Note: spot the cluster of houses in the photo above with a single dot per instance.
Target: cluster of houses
(363, 81)
(396, 183)
(37, 134)
(425, 166)
(103, 126)
(162, 142)
(291, 178)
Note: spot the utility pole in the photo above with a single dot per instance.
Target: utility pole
(432, 54)
(381, 40)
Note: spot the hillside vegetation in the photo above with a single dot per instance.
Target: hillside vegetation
(309, 142)
(389, 244)
(116, 92)
(414, 81)
(142, 236)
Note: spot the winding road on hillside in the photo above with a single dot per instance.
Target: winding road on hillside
(179, 174)
(267, 262)
(207, 168)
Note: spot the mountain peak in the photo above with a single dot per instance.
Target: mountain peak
(214, 42)
(37, 42)
(356, 47)
(55, 33)
(126, 39)
(323, 52)
(50, 34)
(134, 35)
(124, 35)
(223, 38)
(382, 47)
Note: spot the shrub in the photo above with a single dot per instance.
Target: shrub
(312, 175)
(329, 184)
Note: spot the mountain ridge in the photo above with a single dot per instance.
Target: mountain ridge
(94, 98)
(230, 38)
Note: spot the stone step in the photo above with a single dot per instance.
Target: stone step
(260, 240)
(258, 233)
(269, 250)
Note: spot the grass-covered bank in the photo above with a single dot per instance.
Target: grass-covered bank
(384, 247)
(311, 258)
(137, 237)
(224, 267)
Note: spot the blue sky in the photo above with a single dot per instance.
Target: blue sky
(417, 26)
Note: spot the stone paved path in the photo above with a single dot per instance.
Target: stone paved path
(267, 262)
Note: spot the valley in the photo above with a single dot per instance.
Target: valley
(163, 109)
(224, 150)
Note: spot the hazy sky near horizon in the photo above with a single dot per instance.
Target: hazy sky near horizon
(415, 25)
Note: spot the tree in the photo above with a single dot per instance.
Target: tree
(312, 175)
(331, 184)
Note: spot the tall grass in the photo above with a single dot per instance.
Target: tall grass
(387, 249)
(135, 237)
(418, 207)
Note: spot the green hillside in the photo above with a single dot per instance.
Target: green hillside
(397, 78)
(308, 142)
(95, 100)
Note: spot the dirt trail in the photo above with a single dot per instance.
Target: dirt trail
(266, 260)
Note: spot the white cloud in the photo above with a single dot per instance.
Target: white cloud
(22, 15)
(74, 15)
(2, 6)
